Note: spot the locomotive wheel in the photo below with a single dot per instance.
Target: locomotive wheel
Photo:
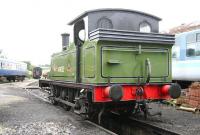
(22, 79)
(91, 116)
(70, 95)
(54, 93)
(63, 95)
(9, 79)
(14, 78)
(53, 102)
(145, 110)
(66, 107)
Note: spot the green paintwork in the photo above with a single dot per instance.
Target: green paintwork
(126, 62)
(63, 65)
(89, 62)
(122, 62)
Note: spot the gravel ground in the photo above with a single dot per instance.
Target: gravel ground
(182, 122)
(24, 114)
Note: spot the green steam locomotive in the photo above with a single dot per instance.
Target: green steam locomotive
(115, 61)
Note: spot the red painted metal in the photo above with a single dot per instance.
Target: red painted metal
(152, 92)
(106, 92)
(165, 89)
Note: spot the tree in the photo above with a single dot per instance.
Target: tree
(29, 65)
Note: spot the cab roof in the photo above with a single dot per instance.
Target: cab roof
(112, 10)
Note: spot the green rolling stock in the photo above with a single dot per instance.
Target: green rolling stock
(115, 59)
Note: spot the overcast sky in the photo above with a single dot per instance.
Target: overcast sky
(30, 29)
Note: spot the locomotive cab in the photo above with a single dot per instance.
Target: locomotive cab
(109, 28)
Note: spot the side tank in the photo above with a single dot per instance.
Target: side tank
(63, 64)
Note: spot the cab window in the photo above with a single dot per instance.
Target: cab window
(79, 33)
(145, 27)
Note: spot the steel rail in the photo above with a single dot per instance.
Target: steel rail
(144, 124)
(90, 122)
(158, 130)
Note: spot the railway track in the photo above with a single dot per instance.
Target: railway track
(89, 122)
(114, 124)
(132, 126)
(155, 129)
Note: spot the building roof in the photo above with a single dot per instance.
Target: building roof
(185, 27)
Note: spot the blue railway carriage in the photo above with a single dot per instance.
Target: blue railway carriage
(186, 58)
(12, 70)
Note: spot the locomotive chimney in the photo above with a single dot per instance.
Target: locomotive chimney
(65, 41)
